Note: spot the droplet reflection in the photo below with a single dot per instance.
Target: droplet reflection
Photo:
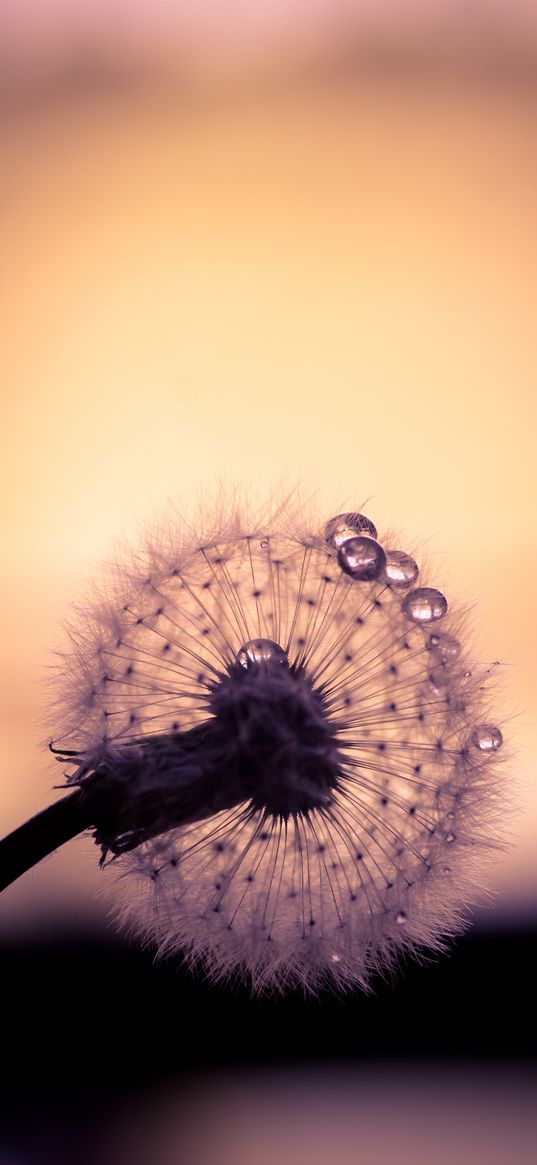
(401, 570)
(362, 558)
(486, 737)
(424, 605)
(344, 526)
(261, 651)
(445, 646)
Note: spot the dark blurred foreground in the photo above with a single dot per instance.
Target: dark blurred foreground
(107, 1056)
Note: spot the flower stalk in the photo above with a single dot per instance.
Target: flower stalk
(41, 835)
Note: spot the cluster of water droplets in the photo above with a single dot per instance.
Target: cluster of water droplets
(362, 557)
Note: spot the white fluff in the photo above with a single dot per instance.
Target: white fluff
(323, 898)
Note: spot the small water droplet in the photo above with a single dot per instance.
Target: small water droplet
(258, 652)
(446, 869)
(401, 570)
(446, 646)
(440, 679)
(486, 737)
(362, 558)
(450, 838)
(401, 918)
(344, 526)
(264, 543)
(467, 675)
(424, 605)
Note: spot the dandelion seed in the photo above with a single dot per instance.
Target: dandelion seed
(273, 752)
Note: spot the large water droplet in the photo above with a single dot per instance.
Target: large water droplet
(258, 652)
(445, 646)
(424, 605)
(486, 737)
(344, 526)
(401, 570)
(362, 558)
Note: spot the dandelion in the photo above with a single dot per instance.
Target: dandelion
(283, 752)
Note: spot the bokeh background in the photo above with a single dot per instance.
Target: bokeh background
(267, 242)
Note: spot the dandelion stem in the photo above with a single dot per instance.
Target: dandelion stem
(41, 835)
(165, 782)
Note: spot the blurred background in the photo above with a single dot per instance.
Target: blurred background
(265, 241)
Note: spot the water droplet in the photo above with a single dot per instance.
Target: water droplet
(446, 870)
(264, 652)
(486, 737)
(440, 679)
(424, 605)
(401, 570)
(344, 526)
(445, 646)
(401, 918)
(450, 838)
(362, 558)
(264, 543)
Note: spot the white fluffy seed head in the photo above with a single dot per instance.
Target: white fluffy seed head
(392, 859)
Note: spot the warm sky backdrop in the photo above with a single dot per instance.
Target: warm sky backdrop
(332, 275)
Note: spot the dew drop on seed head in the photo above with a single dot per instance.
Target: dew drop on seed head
(450, 838)
(424, 605)
(440, 679)
(486, 737)
(401, 918)
(261, 651)
(401, 570)
(362, 558)
(445, 646)
(344, 526)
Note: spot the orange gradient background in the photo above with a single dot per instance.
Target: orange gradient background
(328, 279)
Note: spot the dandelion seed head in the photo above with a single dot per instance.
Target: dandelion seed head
(273, 681)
